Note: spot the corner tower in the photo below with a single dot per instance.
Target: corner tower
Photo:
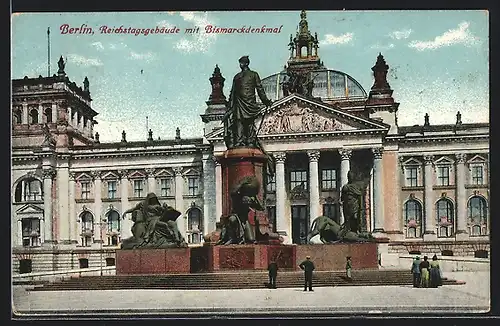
(216, 104)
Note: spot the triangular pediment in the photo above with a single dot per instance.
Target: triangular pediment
(192, 172)
(137, 175)
(110, 176)
(296, 114)
(444, 160)
(30, 209)
(477, 159)
(82, 177)
(412, 161)
(164, 174)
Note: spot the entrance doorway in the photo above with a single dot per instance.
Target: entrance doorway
(300, 224)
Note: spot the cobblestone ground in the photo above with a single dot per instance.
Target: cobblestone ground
(474, 296)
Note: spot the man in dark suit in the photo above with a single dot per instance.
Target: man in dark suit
(307, 266)
(243, 108)
(273, 272)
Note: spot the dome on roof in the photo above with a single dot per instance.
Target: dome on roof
(328, 85)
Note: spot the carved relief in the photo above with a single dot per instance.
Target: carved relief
(236, 258)
(280, 157)
(461, 158)
(282, 256)
(429, 159)
(49, 173)
(294, 119)
(313, 156)
(345, 154)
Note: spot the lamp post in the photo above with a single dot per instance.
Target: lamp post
(102, 224)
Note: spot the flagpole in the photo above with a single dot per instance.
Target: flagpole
(48, 51)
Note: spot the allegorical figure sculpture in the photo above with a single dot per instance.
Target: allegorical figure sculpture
(330, 231)
(154, 226)
(352, 203)
(236, 228)
(239, 121)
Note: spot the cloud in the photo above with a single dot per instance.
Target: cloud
(165, 23)
(34, 69)
(148, 56)
(198, 42)
(117, 46)
(378, 46)
(341, 39)
(402, 34)
(459, 35)
(83, 61)
(98, 46)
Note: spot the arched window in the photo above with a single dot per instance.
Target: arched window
(195, 226)
(29, 189)
(48, 115)
(18, 117)
(444, 208)
(413, 218)
(477, 216)
(33, 116)
(87, 223)
(113, 218)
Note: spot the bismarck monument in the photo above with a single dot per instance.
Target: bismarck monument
(244, 239)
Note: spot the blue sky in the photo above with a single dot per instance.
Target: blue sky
(438, 61)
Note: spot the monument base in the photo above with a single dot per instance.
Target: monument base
(153, 261)
(210, 258)
(332, 257)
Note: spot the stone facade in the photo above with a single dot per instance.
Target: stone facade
(428, 185)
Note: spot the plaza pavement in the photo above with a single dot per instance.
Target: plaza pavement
(472, 297)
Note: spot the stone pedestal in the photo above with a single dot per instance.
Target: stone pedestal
(153, 261)
(236, 164)
(332, 257)
(210, 258)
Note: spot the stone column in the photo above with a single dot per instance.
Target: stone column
(345, 166)
(430, 223)
(42, 231)
(314, 210)
(281, 221)
(54, 112)
(25, 113)
(72, 210)
(151, 180)
(63, 203)
(20, 232)
(209, 217)
(179, 199)
(378, 191)
(48, 174)
(218, 189)
(40, 114)
(97, 204)
(461, 199)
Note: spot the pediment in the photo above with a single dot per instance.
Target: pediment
(477, 159)
(164, 174)
(83, 177)
(412, 161)
(296, 114)
(192, 172)
(110, 176)
(30, 209)
(137, 175)
(444, 160)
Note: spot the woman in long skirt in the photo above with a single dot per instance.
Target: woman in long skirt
(348, 269)
(424, 272)
(435, 273)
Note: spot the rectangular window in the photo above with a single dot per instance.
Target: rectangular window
(443, 175)
(85, 190)
(165, 188)
(271, 215)
(138, 188)
(193, 186)
(298, 180)
(111, 189)
(328, 179)
(31, 231)
(411, 176)
(477, 175)
(271, 184)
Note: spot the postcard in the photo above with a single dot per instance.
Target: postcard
(250, 162)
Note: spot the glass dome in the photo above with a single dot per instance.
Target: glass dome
(328, 84)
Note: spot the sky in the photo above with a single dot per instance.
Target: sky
(438, 60)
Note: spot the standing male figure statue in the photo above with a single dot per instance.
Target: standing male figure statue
(239, 120)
